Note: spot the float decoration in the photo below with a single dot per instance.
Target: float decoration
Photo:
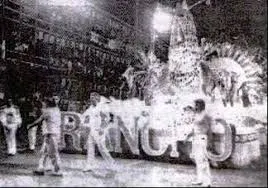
(231, 71)
(168, 88)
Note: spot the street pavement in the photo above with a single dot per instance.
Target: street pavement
(17, 171)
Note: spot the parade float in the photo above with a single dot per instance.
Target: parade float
(221, 74)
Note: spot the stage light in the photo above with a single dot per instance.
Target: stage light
(161, 21)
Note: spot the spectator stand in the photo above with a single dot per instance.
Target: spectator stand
(66, 45)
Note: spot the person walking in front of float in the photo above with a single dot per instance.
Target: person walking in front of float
(34, 114)
(92, 117)
(51, 128)
(200, 135)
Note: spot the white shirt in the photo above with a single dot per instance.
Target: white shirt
(11, 115)
(52, 121)
(91, 117)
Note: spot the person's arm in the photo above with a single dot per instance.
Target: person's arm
(2, 117)
(31, 125)
(210, 133)
(189, 136)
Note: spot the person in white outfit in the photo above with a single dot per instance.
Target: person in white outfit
(11, 121)
(201, 132)
(51, 128)
(34, 114)
(97, 134)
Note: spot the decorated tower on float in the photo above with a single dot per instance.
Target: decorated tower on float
(184, 52)
(182, 75)
(176, 84)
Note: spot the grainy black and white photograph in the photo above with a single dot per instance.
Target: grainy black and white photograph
(133, 93)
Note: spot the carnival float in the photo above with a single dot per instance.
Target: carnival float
(222, 74)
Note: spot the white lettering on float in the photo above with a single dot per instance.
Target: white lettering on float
(71, 122)
(146, 146)
(131, 135)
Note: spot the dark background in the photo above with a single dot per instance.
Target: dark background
(243, 22)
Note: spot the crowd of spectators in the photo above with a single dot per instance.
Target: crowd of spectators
(94, 56)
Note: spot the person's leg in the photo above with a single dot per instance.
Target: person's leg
(105, 152)
(14, 141)
(90, 157)
(205, 172)
(198, 172)
(196, 155)
(22, 139)
(205, 168)
(32, 137)
(7, 138)
(10, 134)
(54, 154)
(202, 163)
(44, 157)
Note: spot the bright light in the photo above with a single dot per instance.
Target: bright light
(162, 21)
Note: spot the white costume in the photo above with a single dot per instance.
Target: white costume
(52, 125)
(199, 148)
(51, 128)
(92, 119)
(11, 120)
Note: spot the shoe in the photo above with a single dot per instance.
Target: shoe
(88, 170)
(207, 184)
(39, 172)
(58, 174)
(11, 154)
(197, 183)
(30, 151)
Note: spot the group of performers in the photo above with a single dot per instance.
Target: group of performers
(47, 114)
